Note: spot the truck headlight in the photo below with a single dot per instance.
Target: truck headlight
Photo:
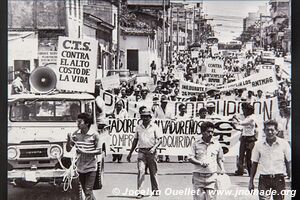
(12, 152)
(55, 151)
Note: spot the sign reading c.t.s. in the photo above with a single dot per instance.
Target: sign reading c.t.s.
(76, 45)
(76, 64)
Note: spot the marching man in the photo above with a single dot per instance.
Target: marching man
(148, 138)
(274, 156)
(206, 155)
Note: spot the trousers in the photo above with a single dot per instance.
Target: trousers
(246, 146)
(276, 183)
(87, 181)
(149, 159)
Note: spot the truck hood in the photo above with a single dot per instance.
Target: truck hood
(21, 133)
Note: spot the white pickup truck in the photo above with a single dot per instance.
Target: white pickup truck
(38, 125)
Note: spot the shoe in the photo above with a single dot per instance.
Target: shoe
(186, 159)
(237, 173)
(156, 193)
(139, 196)
(167, 159)
(181, 161)
(119, 161)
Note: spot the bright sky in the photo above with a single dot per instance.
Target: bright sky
(230, 14)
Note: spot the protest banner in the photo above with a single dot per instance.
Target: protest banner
(77, 64)
(214, 66)
(264, 109)
(266, 68)
(214, 50)
(47, 57)
(214, 79)
(266, 82)
(110, 82)
(177, 136)
(194, 54)
(144, 80)
(191, 89)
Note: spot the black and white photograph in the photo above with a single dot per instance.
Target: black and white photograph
(149, 99)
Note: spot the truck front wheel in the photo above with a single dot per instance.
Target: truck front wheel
(24, 184)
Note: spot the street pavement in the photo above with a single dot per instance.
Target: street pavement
(120, 183)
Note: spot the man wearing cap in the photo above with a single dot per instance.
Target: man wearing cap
(274, 157)
(206, 155)
(148, 137)
(161, 112)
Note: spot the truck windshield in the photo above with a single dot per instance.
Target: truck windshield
(44, 110)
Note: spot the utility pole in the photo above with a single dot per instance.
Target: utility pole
(185, 31)
(163, 38)
(171, 35)
(177, 38)
(118, 36)
(260, 29)
(193, 25)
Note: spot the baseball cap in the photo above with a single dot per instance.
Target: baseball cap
(146, 112)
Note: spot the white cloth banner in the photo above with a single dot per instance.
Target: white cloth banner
(191, 89)
(177, 136)
(266, 82)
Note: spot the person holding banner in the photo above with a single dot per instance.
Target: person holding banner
(161, 112)
(119, 113)
(206, 155)
(274, 156)
(148, 137)
(182, 116)
(247, 139)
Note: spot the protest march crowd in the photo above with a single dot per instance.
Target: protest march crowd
(197, 88)
(200, 108)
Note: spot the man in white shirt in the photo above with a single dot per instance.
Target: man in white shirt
(247, 138)
(148, 137)
(206, 155)
(274, 156)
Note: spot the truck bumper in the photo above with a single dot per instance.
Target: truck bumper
(32, 175)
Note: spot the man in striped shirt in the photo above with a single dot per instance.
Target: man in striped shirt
(86, 141)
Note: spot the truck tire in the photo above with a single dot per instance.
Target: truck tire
(24, 184)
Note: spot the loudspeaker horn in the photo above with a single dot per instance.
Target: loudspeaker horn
(43, 79)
